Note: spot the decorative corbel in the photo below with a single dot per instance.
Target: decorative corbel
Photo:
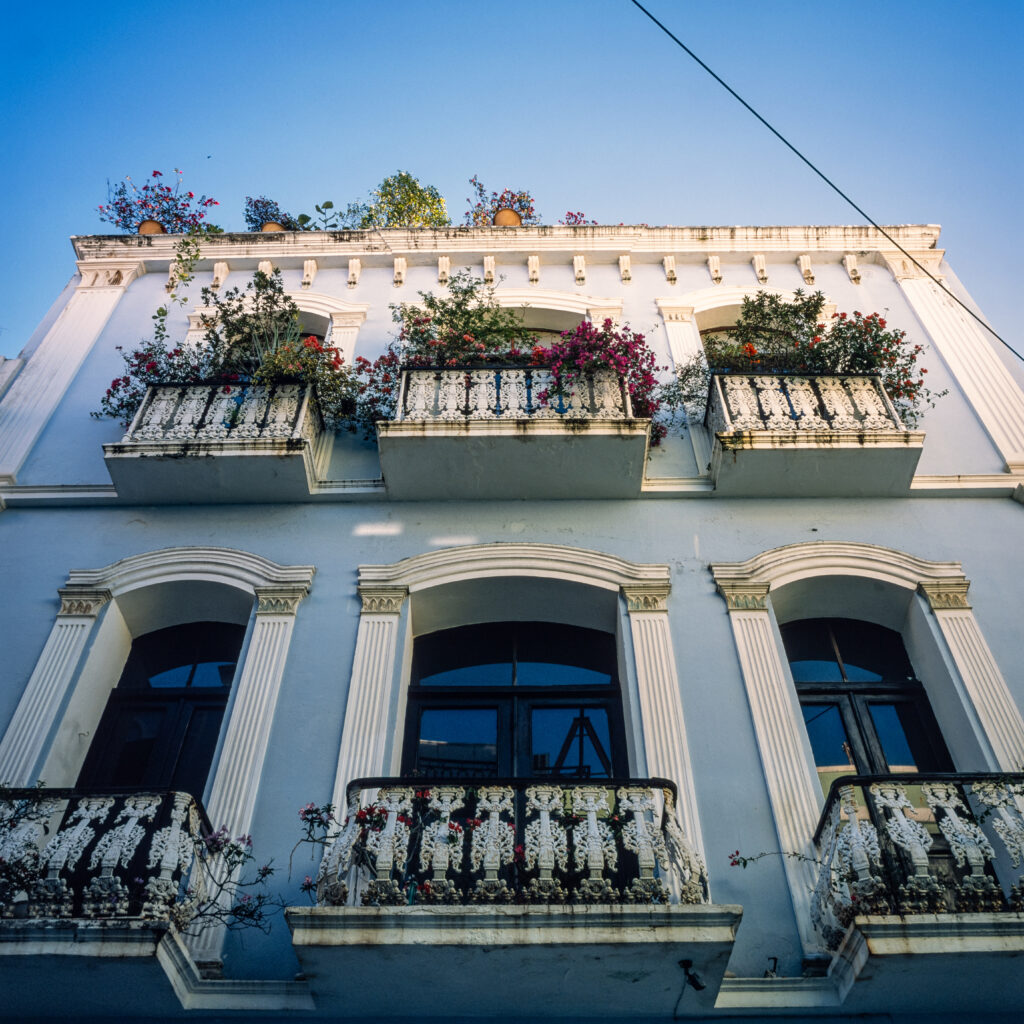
(804, 263)
(309, 269)
(625, 271)
(850, 262)
(265, 267)
(488, 270)
(669, 263)
(533, 269)
(220, 275)
(355, 268)
(760, 268)
(400, 268)
(579, 269)
(444, 269)
(715, 269)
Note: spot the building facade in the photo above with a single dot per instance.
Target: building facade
(581, 700)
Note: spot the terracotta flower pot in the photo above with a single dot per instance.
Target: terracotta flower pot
(506, 218)
(272, 225)
(151, 227)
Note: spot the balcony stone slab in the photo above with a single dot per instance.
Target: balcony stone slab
(524, 961)
(207, 444)
(471, 433)
(782, 436)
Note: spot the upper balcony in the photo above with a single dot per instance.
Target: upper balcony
(485, 432)
(221, 443)
(544, 892)
(924, 867)
(778, 435)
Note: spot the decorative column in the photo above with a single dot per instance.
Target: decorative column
(21, 749)
(792, 789)
(366, 730)
(970, 355)
(35, 393)
(344, 328)
(661, 709)
(239, 768)
(684, 343)
(1000, 719)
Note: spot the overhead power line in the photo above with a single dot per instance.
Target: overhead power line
(828, 181)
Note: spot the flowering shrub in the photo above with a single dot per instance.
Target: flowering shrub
(262, 211)
(178, 212)
(481, 213)
(589, 348)
(775, 336)
(400, 201)
(575, 219)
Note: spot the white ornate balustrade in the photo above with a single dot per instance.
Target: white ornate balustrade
(821, 436)
(911, 845)
(521, 392)
(100, 856)
(501, 432)
(221, 442)
(532, 841)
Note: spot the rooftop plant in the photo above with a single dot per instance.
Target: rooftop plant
(481, 213)
(178, 212)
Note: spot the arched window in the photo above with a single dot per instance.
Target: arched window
(162, 720)
(515, 699)
(863, 706)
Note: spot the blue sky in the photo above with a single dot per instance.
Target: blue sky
(912, 107)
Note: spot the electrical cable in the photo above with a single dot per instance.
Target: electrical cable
(831, 184)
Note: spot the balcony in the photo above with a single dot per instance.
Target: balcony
(777, 435)
(210, 443)
(923, 867)
(472, 432)
(545, 893)
(92, 898)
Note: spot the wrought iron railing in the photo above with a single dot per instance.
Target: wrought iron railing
(918, 844)
(486, 841)
(180, 413)
(785, 402)
(458, 393)
(99, 855)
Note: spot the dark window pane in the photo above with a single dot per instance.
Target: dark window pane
(189, 774)
(467, 656)
(829, 742)
(892, 737)
(213, 674)
(810, 652)
(549, 654)
(871, 653)
(571, 742)
(164, 659)
(172, 678)
(129, 759)
(458, 741)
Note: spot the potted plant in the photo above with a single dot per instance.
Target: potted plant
(156, 207)
(507, 208)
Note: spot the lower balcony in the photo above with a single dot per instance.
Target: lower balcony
(95, 890)
(920, 891)
(786, 436)
(540, 893)
(472, 432)
(221, 443)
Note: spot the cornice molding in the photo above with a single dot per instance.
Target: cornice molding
(489, 561)
(779, 566)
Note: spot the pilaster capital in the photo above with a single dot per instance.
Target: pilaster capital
(944, 594)
(904, 269)
(647, 597)
(280, 599)
(382, 600)
(82, 600)
(109, 273)
(348, 318)
(598, 314)
(673, 312)
(744, 596)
